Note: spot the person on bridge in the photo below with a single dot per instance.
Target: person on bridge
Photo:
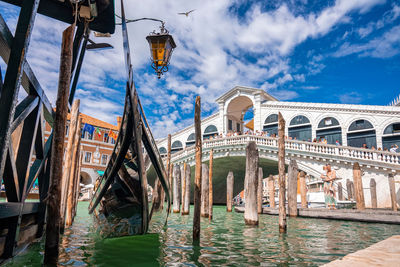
(329, 176)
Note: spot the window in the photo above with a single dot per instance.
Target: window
(88, 157)
(230, 125)
(89, 136)
(238, 127)
(106, 137)
(104, 159)
(83, 133)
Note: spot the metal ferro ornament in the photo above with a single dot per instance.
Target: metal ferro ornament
(161, 46)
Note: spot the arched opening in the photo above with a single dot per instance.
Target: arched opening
(191, 140)
(270, 126)
(391, 135)
(85, 178)
(329, 128)
(240, 115)
(176, 146)
(300, 128)
(211, 130)
(162, 151)
(361, 132)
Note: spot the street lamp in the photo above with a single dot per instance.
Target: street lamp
(161, 46)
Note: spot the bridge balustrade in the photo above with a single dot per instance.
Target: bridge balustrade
(319, 149)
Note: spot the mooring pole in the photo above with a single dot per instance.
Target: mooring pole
(54, 195)
(372, 186)
(271, 191)
(349, 189)
(229, 191)
(204, 191)
(358, 187)
(177, 176)
(186, 206)
(77, 180)
(210, 186)
(392, 192)
(303, 189)
(251, 184)
(77, 171)
(260, 191)
(72, 172)
(168, 167)
(197, 177)
(340, 191)
(281, 168)
(292, 188)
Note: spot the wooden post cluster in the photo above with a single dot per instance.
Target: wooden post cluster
(358, 187)
(303, 189)
(53, 199)
(271, 191)
(186, 203)
(251, 184)
(204, 191)
(292, 188)
(197, 178)
(392, 192)
(260, 190)
(176, 178)
(210, 186)
(372, 188)
(281, 169)
(73, 176)
(229, 191)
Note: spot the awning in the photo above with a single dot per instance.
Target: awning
(250, 125)
(101, 173)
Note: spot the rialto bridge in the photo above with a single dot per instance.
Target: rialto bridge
(350, 125)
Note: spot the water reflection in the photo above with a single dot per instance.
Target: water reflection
(226, 241)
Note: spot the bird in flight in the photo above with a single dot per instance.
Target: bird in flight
(186, 13)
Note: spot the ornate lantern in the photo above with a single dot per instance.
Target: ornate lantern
(161, 46)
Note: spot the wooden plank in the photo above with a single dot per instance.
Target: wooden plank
(292, 188)
(250, 184)
(281, 169)
(198, 171)
(11, 209)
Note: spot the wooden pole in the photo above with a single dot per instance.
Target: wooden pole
(292, 188)
(198, 171)
(169, 165)
(176, 177)
(69, 157)
(54, 194)
(229, 191)
(260, 190)
(72, 174)
(392, 192)
(281, 168)
(349, 189)
(271, 191)
(251, 184)
(204, 191)
(340, 191)
(372, 188)
(186, 205)
(358, 187)
(183, 183)
(210, 185)
(303, 189)
(77, 188)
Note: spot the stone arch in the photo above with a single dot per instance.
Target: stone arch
(86, 178)
(360, 132)
(391, 135)
(176, 146)
(191, 140)
(270, 124)
(210, 131)
(162, 150)
(235, 109)
(330, 129)
(300, 127)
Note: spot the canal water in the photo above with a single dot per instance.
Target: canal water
(225, 241)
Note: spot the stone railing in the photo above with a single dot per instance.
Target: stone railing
(319, 149)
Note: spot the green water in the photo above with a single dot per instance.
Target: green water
(225, 241)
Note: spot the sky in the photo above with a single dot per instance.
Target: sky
(343, 51)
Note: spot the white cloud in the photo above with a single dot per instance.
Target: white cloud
(350, 98)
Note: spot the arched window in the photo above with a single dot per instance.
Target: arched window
(391, 135)
(271, 125)
(163, 150)
(211, 130)
(300, 128)
(176, 146)
(361, 132)
(191, 140)
(329, 129)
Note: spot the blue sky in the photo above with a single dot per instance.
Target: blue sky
(344, 51)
